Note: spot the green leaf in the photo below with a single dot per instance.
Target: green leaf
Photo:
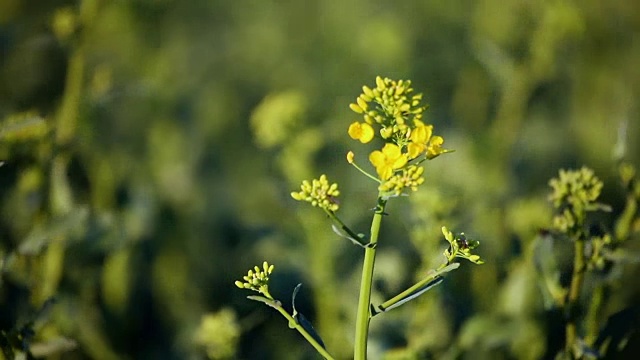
(302, 321)
(346, 236)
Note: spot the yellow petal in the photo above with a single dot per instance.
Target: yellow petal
(361, 131)
(367, 133)
(417, 123)
(414, 150)
(385, 172)
(421, 134)
(436, 141)
(354, 130)
(377, 158)
(435, 147)
(400, 162)
(392, 151)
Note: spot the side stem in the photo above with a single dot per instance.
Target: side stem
(577, 277)
(363, 315)
(294, 324)
(446, 267)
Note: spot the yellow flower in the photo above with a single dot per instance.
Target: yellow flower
(388, 160)
(361, 131)
(421, 133)
(218, 333)
(415, 149)
(435, 147)
(420, 136)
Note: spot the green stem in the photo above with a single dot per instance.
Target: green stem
(625, 220)
(68, 113)
(419, 285)
(363, 315)
(294, 324)
(592, 328)
(577, 277)
(366, 173)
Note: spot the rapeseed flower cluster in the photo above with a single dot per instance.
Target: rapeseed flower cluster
(393, 113)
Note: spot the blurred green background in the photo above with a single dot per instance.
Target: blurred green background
(150, 147)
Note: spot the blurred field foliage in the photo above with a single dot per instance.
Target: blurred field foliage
(150, 147)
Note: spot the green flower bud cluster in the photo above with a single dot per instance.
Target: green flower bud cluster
(598, 250)
(257, 279)
(391, 105)
(410, 177)
(574, 194)
(460, 246)
(320, 193)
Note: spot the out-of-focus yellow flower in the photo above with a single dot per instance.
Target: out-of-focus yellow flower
(361, 131)
(219, 333)
(277, 118)
(64, 23)
(388, 160)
